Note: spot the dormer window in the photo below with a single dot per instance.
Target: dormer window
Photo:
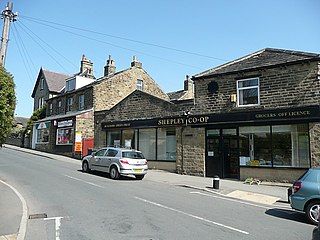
(248, 92)
(139, 85)
(70, 85)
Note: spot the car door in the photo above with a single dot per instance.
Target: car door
(109, 158)
(96, 161)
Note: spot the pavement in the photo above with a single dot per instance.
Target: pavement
(266, 193)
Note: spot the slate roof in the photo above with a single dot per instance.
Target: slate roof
(264, 58)
(176, 95)
(55, 81)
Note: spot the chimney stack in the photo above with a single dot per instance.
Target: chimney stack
(134, 63)
(86, 67)
(110, 68)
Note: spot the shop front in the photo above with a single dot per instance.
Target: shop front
(158, 144)
(271, 144)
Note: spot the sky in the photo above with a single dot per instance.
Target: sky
(172, 38)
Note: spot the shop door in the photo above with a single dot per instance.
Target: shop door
(222, 155)
(213, 157)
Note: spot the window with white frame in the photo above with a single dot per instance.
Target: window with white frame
(40, 102)
(139, 85)
(81, 102)
(41, 83)
(50, 108)
(69, 104)
(248, 92)
(70, 85)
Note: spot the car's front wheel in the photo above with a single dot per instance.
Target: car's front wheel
(114, 174)
(85, 167)
(312, 211)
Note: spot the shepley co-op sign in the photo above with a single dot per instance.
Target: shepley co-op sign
(183, 121)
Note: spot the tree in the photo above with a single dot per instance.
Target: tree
(7, 103)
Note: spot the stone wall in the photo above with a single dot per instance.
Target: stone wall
(280, 87)
(85, 124)
(191, 151)
(112, 90)
(314, 133)
(271, 174)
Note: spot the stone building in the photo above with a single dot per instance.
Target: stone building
(256, 116)
(70, 123)
(48, 85)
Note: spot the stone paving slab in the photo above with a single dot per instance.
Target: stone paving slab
(253, 197)
(9, 237)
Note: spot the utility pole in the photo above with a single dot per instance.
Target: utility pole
(8, 17)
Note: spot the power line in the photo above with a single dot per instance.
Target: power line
(126, 39)
(53, 58)
(117, 46)
(22, 52)
(61, 55)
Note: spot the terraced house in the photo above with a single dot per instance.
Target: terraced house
(70, 122)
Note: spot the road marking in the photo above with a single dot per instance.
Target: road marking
(80, 180)
(231, 200)
(57, 225)
(24, 218)
(191, 215)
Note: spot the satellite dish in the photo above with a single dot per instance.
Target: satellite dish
(213, 87)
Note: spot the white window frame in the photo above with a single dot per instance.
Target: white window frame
(41, 83)
(81, 102)
(247, 88)
(139, 84)
(40, 102)
(70, 85)
(50, 108)
(69, 103)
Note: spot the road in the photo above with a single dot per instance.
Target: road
(65, 203)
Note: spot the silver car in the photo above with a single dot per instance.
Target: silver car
(116, 162)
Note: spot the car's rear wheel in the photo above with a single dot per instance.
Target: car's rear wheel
(85, 166)
(312, 211)
(114, 174)
(139, 177)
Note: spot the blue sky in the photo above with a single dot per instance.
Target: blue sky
(172, 38)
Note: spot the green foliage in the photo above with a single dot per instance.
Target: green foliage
(37, 115)
(7, 103)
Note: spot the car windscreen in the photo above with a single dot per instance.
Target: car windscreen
(134, 155)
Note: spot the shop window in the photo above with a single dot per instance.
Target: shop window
(248, 92)
(114, 138)
(43, 135)
(290, 144)
(64, 136)
(277, 146)
(147, 143)
(255, 146)
(129, 138)
(166, 144)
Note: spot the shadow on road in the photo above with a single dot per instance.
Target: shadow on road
(288, 214)
(106, 175)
